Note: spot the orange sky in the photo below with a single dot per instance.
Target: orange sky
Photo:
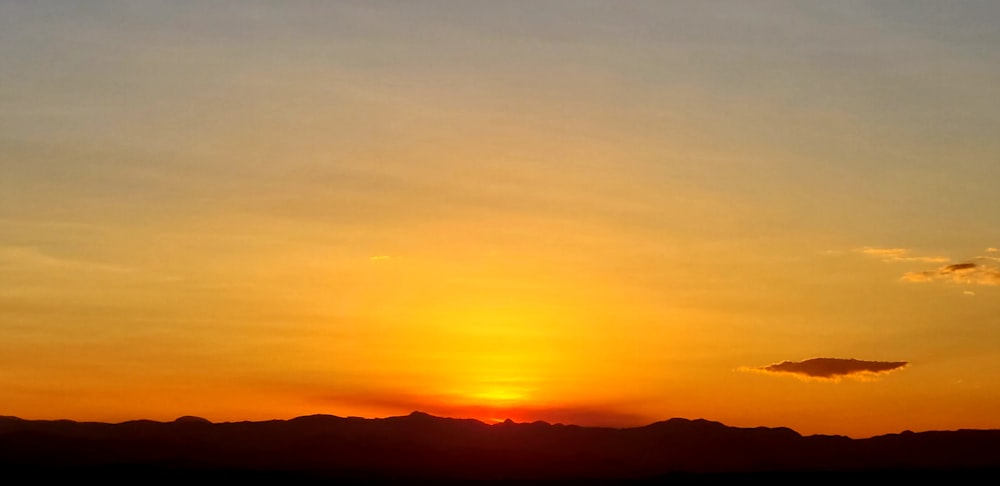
(583, 212)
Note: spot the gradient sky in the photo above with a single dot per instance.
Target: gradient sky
(594, 212)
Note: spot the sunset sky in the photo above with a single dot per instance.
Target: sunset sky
(592, 212)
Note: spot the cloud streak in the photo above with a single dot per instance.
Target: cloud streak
(890, 255)
(833, 368)
(34, 258)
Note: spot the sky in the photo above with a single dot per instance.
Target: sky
(763, 213)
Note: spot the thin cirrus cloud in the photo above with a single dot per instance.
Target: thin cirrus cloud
(832, 368)
(900, 255)
(33, 258)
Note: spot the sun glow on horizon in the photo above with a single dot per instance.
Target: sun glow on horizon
(500, 395)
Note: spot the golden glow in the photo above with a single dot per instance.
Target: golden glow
(366, 208)
(500, 396)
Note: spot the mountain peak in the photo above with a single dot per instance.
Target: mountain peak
(191, 419)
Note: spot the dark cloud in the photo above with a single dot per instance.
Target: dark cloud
(958, 267)
(833, 368)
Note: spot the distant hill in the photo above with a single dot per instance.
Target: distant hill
(421, 446)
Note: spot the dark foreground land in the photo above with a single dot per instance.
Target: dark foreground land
(420, 447)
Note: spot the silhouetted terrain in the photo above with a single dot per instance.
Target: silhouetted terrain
(420, 446)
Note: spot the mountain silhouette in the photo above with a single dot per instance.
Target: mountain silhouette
(421, 446)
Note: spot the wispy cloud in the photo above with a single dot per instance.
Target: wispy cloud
(33, 257)
(832, 368)
(980, 271)
(900, 255)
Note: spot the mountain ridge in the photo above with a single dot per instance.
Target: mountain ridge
(424, 446)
